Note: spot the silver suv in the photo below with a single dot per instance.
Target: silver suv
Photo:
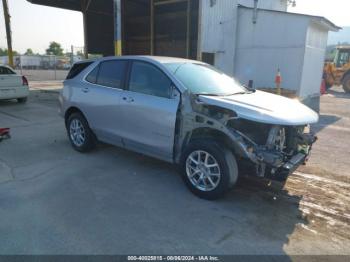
(187, 113)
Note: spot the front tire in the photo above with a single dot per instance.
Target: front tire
(209, 170)
(79, 133)
(346, 83)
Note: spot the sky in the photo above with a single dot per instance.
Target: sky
(336, 11)
(35, 26)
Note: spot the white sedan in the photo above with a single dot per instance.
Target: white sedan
(12, 85)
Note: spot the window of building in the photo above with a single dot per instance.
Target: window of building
(208, 58)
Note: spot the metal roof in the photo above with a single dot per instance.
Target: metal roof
(99, 21)
(318, 19)
(65, 4)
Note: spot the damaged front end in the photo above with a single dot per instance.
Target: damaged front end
(276, 151)
(271, 150)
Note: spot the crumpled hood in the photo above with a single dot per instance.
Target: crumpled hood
(266, 108)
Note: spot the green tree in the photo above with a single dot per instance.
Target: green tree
(4, 52)
(54, 49)
(29, 52)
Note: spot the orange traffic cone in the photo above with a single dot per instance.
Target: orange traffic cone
(278, 81)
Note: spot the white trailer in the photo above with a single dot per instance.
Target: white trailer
(294, 43)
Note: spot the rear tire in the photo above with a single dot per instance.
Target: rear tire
(346, 83)
(22, 100)
(79, 133)
(212, 159)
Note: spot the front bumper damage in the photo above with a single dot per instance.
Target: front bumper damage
(271, 163)
(279, 165)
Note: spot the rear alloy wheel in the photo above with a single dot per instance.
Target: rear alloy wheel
(22, 100)
(80, 134)
(346, 83)
(209, 170)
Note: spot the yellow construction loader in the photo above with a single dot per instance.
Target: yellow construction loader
(338, 71)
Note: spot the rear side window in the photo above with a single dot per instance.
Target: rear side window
(77, 69)
(6, 71)
(111, 73)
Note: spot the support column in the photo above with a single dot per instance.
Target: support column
(152, 28)
(199, 37)
(86, 42)
(188, 29)
(84, 9)
(8, 32)
(117, 28)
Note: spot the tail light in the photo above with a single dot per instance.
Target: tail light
(24, 81)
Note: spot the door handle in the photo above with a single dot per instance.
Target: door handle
(128, 99)
(85, 89)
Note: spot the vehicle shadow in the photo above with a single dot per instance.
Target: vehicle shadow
(324, 121)
(255, 218)
(269, 210)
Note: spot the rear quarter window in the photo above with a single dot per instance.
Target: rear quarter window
(77, 69)
(6, 71)
(92, 76)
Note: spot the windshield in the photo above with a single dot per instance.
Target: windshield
(203, 79)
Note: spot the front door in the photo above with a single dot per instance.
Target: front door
(149, 112)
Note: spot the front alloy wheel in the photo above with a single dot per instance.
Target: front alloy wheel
(209, 169)
(203, 170)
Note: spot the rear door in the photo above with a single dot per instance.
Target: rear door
(149, 111)
(99, 99)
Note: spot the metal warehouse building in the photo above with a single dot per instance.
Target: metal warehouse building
(249, 43)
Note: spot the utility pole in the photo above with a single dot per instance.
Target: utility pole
(8, 32)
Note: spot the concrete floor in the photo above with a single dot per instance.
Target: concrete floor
(54, 200)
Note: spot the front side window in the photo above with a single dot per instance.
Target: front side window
(202, 79)
(147, 79)
(111, 73)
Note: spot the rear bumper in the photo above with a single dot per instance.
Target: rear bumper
(14, 92)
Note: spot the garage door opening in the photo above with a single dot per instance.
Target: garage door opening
(159, 27)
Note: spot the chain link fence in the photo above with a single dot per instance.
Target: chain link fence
(43, 67)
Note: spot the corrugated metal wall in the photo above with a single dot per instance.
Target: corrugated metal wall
(279, 5)
(284, 41)
(316, 44)
(218, 31)
(275, 41)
